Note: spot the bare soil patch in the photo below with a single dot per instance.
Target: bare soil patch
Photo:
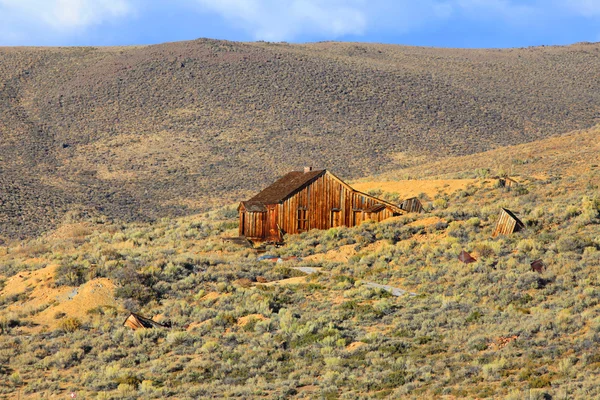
(413, 188)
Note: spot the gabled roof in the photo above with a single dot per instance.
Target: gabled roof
(253, 206)
(291, 183)
(285, 187)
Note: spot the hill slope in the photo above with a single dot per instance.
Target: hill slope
(142, 132)
(246, 328)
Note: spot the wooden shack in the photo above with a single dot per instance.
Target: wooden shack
(508, 223)
(412, 205)
(135, 321)
(309, 199)
(507, 182)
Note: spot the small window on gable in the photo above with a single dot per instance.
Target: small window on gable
(302, 219)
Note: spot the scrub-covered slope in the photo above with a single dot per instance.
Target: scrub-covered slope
(142, 132)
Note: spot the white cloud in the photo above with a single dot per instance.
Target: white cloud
(289, 19)
(20, 17)
(67, 21)
(286, 19)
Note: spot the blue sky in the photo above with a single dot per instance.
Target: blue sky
(441, 23)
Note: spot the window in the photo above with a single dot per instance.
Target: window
(302, 219)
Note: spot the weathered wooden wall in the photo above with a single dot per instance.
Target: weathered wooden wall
(253, 224)
(326, 202)
(323, 199)
(412, 205)
(507, 223)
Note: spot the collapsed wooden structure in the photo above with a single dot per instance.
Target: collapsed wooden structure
(538, 266)
(412, 205)
(466, 257)
(507, 182)
(508, 223)
(135, 321)
(309, 199)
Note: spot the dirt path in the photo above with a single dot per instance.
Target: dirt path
(397, 292)
(393, 290)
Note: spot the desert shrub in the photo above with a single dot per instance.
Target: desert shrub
(590, 211)
(574, 243)
(440, 203)
(71, 274)
(70, 324)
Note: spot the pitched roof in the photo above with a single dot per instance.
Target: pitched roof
(253, 206)
(375, 208)
(136, 321)
(285, 186)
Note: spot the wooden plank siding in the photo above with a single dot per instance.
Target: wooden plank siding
(507, 224)
(412, 205)
(254, 225)
(320, 203)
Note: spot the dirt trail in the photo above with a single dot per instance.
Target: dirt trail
(394, 291)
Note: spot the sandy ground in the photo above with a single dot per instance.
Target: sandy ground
(290, 281)
(342, 254)
(412, 188)
(243, 321)
(45, 301)
(425, 222)
(355, 345)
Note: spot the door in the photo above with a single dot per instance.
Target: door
(242, 223)
(357, 217)
(336, 218)
(273, 227)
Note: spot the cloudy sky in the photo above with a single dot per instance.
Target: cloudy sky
(443, 23)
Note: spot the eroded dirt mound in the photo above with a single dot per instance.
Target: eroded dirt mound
(44, 304)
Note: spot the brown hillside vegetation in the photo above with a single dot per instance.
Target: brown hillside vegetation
(148, 131)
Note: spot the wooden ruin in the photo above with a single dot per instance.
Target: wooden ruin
(507, 182)
(466, 257)
(538, 266)
(309, 199)
(508, 223)
(412, 205)
(135, 321)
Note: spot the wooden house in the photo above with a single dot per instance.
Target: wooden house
(309, 199)
(508, 223)
(412, 205)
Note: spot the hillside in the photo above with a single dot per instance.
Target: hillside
(138, 133)
(246, 328)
